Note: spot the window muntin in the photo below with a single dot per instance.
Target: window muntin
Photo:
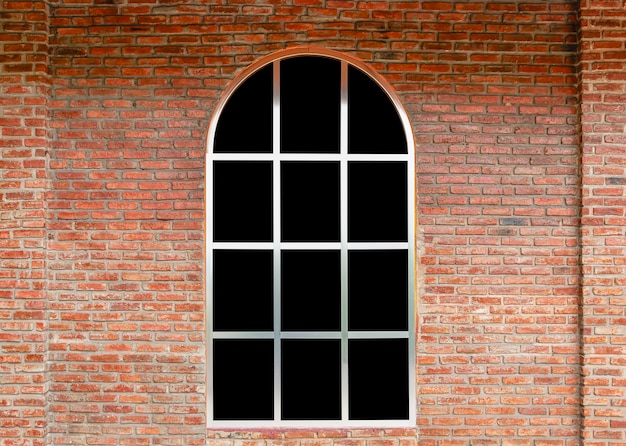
(335, 166)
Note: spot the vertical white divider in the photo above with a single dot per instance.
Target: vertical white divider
(412, 274)
(276, 204)
(208, 237)
(343, 200)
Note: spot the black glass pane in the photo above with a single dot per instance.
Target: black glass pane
(242, 201)
(378, 373)
(311, 290)
(311, 379)
(309, 100)
(377, 290)
(310, 201)
(377, 201)
(245, 124)
(242, 290)
(373, 122)
(243, 379)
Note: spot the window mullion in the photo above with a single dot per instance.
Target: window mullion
(343, 175)
(276, 238)
(209, 280)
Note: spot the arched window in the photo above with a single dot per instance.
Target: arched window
(310, 248)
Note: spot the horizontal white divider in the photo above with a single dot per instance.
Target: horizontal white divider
(310, 245)
(309, 335)
(307, 157)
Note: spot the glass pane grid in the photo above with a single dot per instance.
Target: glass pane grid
(285, 412)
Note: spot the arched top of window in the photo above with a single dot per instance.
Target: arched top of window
(311, 87)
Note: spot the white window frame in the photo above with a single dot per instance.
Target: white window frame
(343, 246)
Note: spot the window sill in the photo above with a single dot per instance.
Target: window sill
(407, 434)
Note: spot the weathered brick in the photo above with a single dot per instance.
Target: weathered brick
(115, 115)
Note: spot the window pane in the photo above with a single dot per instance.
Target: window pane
(245, 124)
(377, 201)
(243, 379)
(373, 122)
(311, 290)
(242, 201)
(378, 371)
(311, 379)
(377, 290)
(310, 201)
(309, 101)
(242, 290)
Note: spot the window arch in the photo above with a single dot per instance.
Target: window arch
(310, 247)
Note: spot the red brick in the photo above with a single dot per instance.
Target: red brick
(125, 95)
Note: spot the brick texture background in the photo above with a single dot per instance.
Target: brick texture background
(603, 163)
(518, 108)
(128, 114)
(495, 115)
(24, 92)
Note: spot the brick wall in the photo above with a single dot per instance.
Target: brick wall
(492, 90)
(603, 106)
(129, 112)
(495, 112)
(24, 89)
